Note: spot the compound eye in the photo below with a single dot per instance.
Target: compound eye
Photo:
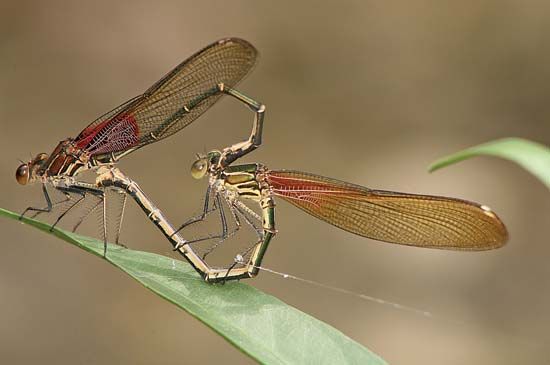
(199, 168)
(22, 174)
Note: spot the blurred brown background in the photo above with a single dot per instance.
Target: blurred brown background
(368, 92)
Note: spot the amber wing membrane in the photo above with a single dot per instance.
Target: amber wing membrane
(408, 219)
(174, 101)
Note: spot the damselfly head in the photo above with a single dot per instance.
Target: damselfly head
(203, 163)
(26, 172)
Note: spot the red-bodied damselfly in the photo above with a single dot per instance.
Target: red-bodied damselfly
(168, 106)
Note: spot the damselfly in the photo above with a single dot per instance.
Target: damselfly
(165, 108)
(407, 219)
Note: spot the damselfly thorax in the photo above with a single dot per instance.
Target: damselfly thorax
(66, 160)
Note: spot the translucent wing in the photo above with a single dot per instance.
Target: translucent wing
(408, 219)
(173, 102)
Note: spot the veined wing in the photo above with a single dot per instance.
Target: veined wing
(173, 102)
(408, 219)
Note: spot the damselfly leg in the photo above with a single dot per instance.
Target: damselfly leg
(68, 192)
(76, 195)
(120, 216)
(46, 209)
(91, 209)
(216, 206)
(236, 209)
(82, 193)
(209, 207)
(117, 206)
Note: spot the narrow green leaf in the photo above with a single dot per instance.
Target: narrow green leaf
(258, 324)
(532, 156)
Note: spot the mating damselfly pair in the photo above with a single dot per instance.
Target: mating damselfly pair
(177, 100)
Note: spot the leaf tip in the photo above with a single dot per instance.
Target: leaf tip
(434, 166)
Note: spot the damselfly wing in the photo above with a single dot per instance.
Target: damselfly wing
(408, 219)
(173, 102)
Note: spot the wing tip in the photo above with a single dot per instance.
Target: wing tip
(240, 41)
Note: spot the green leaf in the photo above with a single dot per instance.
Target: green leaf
(258, 324)
(533, 157)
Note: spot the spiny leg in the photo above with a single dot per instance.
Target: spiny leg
(119, 226)
(265, 235)
(85, 215)
(47, 209)
(120, 217)
(61, 202)
(82, 188)
(68, 191)
(245, 212)
(225, 234)
(104, 216)
(206, 211)
(202, 216)
(82, 196)
(81, 191)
